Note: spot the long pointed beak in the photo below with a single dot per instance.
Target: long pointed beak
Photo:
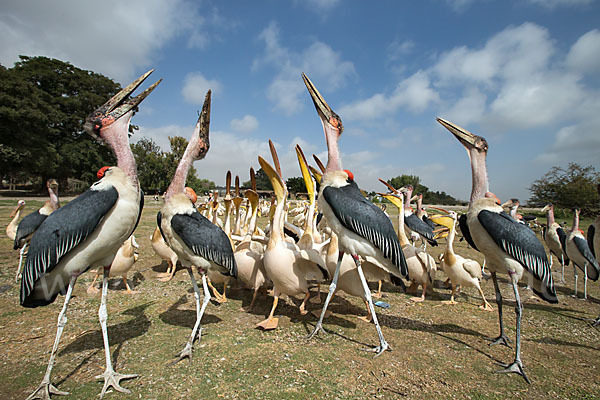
(325, 112)
(439, 209)
(310, 187)
(390, 187)
(507, 203)
(319, 163)
(276, 181)
(119, 105)
(463, 135)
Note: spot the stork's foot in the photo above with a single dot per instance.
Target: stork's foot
(417, 299)
(378, 350)
(516, 368)
(221, 299)
(185, 353)
(111, 378)
(318, 328)
(596, 322)
(45, 390)
(502, 339)
(486, 307)
(268, 324)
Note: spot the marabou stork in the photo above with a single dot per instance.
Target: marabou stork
(196, 241)
(416, 224)
(580, 254)
(88, 231)
(11, 228)
(509, 247)
(556, 239)
(362, 228)
(31, 222)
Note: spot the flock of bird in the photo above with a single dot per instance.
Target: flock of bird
(342, 238)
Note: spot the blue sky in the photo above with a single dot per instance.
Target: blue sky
(523, 74)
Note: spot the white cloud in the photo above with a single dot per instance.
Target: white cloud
(469, 108)
(115, 38)
(195, 87)
(413, 93)
(320, 5)
(584, 55)
(319, 61)
(577, 143)
(248, 123)
(398, 49)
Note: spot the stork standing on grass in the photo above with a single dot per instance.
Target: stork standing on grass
(196, 241)
(509, 247)
(580, 254)
(88, 231)
(31, 222)
(362, 228)
(556, 240)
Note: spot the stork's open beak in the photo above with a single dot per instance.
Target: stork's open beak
(310, 187)
(463, 135)
(325, 112)
(316, 173)
(119, 105)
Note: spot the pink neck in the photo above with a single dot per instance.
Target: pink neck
(54, 202)
(178, 183)
(480, 184)
(117, 138)
(333, 153)
(575, 221)
(550, 216)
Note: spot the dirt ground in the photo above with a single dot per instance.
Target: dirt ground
(439, 351)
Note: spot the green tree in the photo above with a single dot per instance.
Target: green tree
(405, 180)
(43, 105)
(296, 185)
(151, 161)
(262, 181)
(575, 186)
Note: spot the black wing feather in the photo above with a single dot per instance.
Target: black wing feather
(205, 239)
(158, 222)
(464, 229)
(62, 231)
(520, 243)
(27, 226)
(429, 222)
(593, 269)
(590, 238)
(366, 220)
(416, 224)
(562, 237)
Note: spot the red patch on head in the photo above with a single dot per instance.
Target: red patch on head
(350, 174)
(491, 195)
(101, 172)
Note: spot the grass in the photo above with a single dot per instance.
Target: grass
(439, 351)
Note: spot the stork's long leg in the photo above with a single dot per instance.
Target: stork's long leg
(196, 331)
(111, 378)
(585, 279)
(562, 271)
(596, 322)
(502, 339)
(20, 262)
(45, 389)
(576, 275)
(332, 286)
(517, 365)
(383, 345)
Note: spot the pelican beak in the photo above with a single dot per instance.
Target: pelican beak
(310, 187)
(325, 112)
(119, 105)
(322, 167)
(316, 173)
(390, 187)
(439, 209)
(276, 181)
(394, 199)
